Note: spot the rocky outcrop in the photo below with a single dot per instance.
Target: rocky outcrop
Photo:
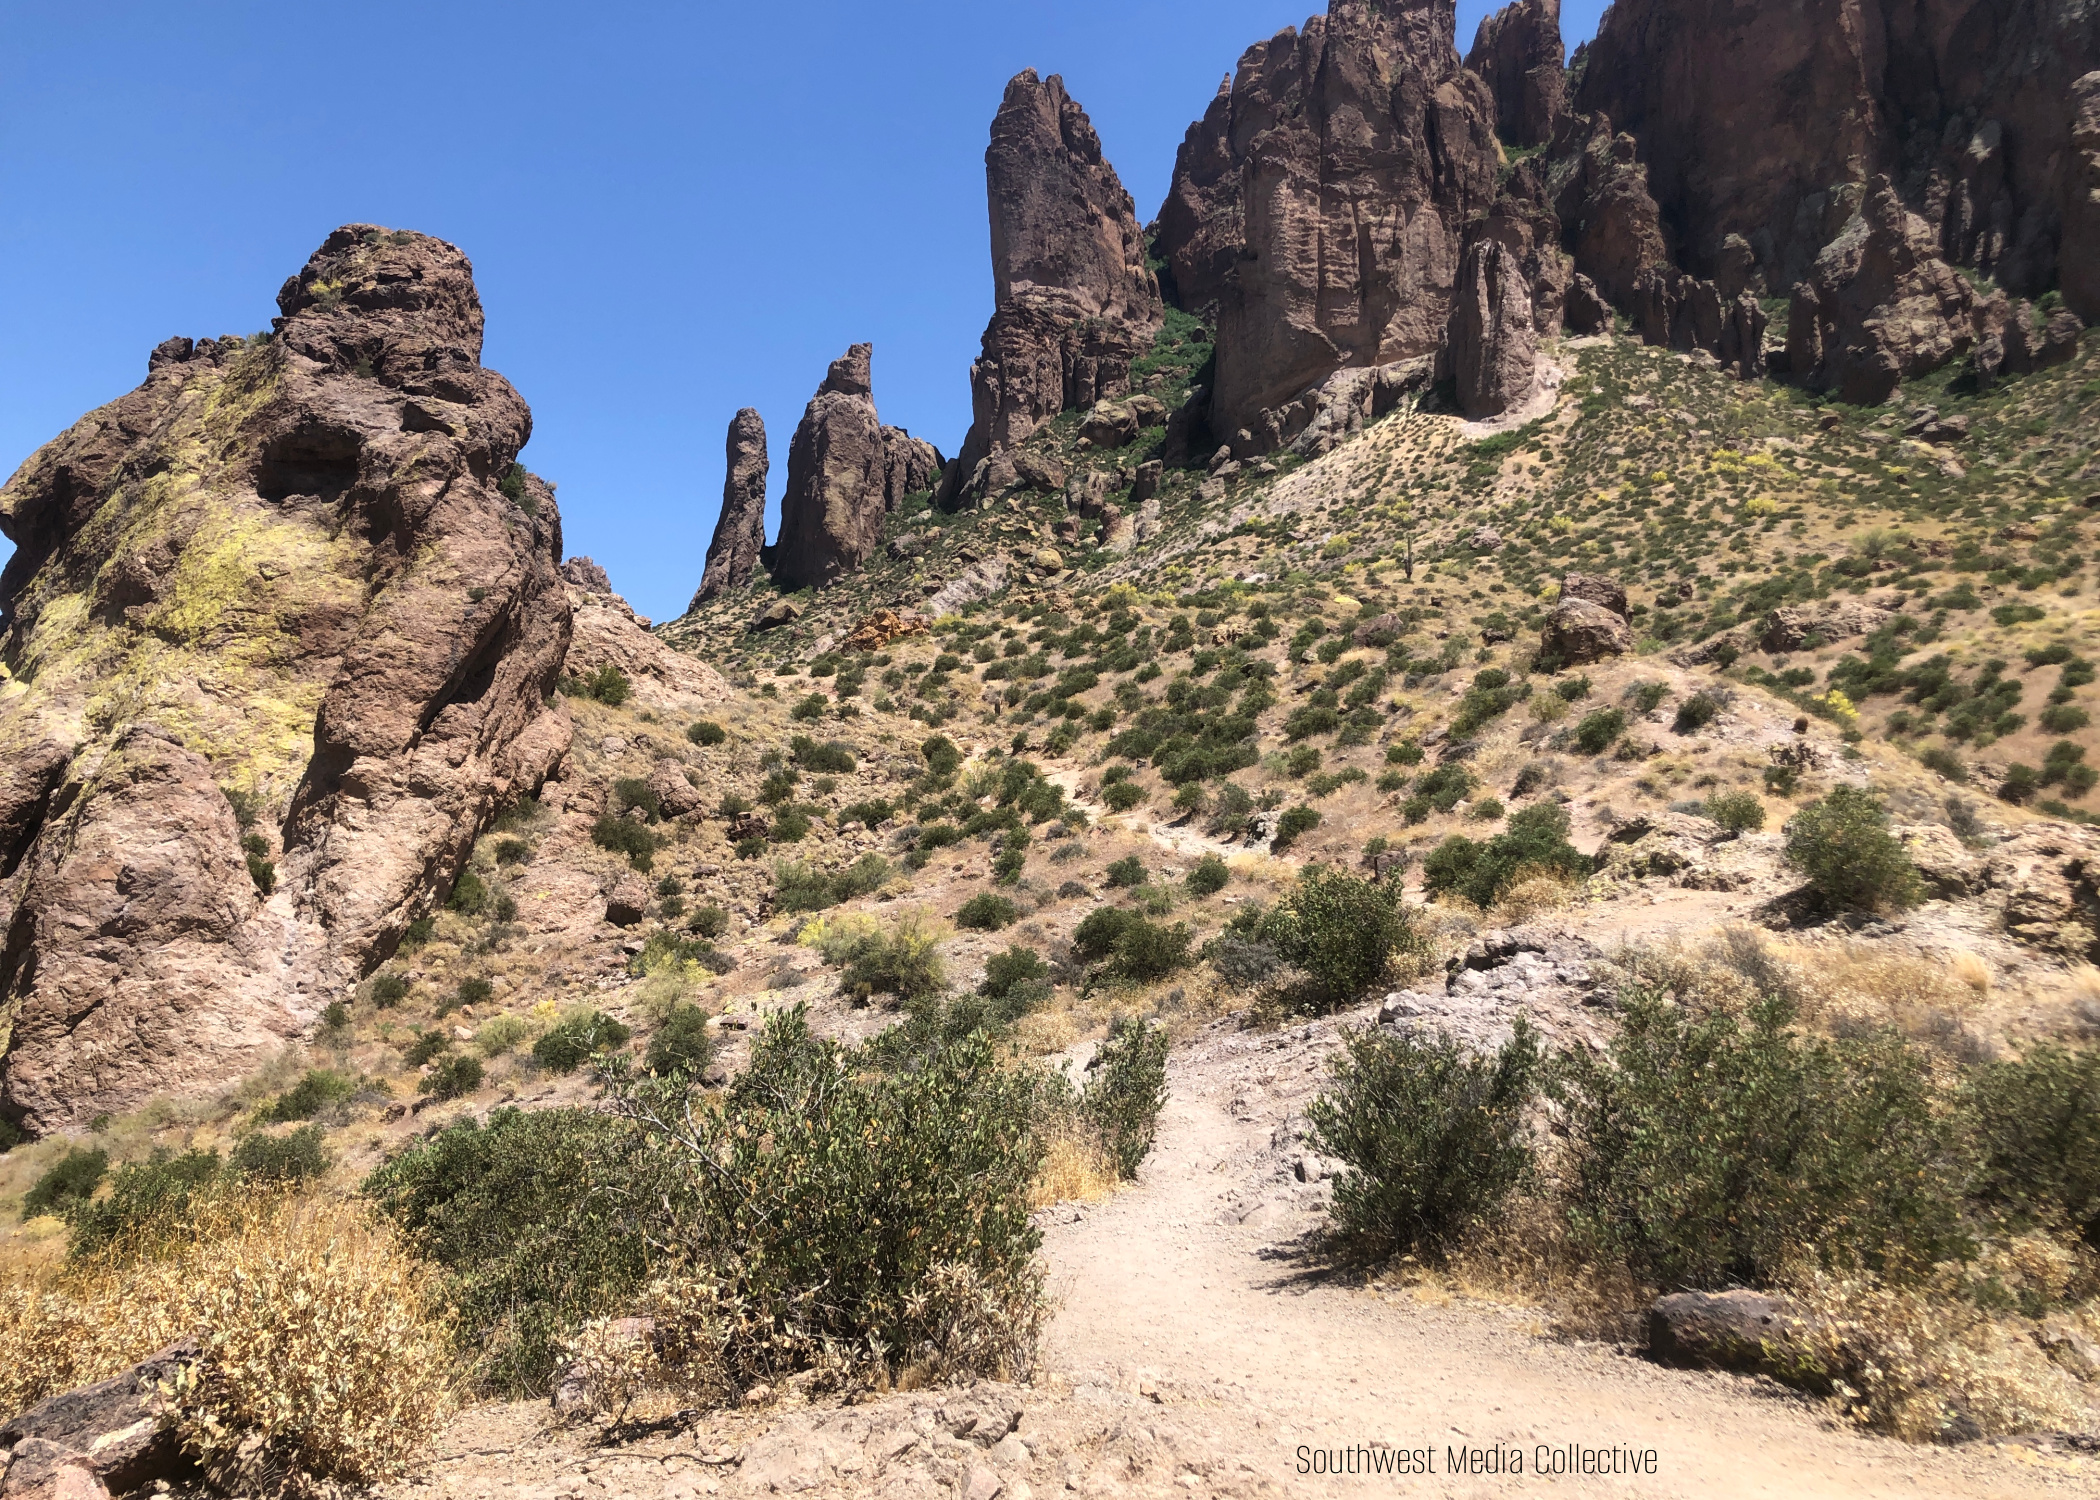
(110, 1435)
(1674, 310)
(1074, 302)
(1493, 346)
(740, 529)
(1764, 123)
(608, 633)
(1518, 53)
(846, 472)
(1609, 221)
(1752, 1332)
(1318, 208)
(2080, 271)
(1589, 623)
(291, 598)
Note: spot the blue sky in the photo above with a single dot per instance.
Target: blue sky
(673, 210)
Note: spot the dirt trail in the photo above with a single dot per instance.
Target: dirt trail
(1221, 1322)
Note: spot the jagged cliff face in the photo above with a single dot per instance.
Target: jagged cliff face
(1319, 206)
(740, 528)
(1075, 302)
(1518, 54)
(846, 472)
(293, 582)
(1767, 122)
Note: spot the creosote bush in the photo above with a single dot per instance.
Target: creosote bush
(1342, 933)
(573, 1040)
(1534, 843)
(1843, 846)
(1129, 1088)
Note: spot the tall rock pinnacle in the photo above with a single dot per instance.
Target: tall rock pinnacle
(740, 531)
(1074, 300)
(1519, 55)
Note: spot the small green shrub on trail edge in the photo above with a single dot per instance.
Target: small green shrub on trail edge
(295, 1156)
(1597, 731)
(1842, 844)
(569, 1044)
(1209, 876)
(1738, 812)
(1710, 1150)
(1342, 933)
(1536, 841)
(537, 1220)
(320, 1088)
(452, 1077)
(1433, 1137)
(1129, 1088)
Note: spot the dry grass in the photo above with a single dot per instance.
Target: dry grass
(1075, 1170)
(327, 1355)
(1535, 894)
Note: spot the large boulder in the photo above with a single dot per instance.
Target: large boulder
(1318, 209)
(332, 597)
(846, 473)
(740, 529)
(1074, 301)
(1790, 627)
(1753, 1332)
(110, 1434)
(1607, 592)
(1519, 55)
(1578, 632)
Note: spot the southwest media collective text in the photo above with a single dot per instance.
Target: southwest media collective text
(1545, 1459)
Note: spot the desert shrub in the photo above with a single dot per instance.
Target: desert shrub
(2037, 1130)
(632, 792)
(1126, 872)
(609, 685)
(1015, 970)
(1095, 937)
(295, 1156)
(809, 709)
(827, 1213)
(1295, 823)
(456, 1075)
(905, 961)
(1596, 732)
(318, 1090)
(427, 1045)
(1242, 964)
(1696, 712)
(500, 1034)
(829, 757)
(1842, 844)
(942, 758)
(619, 836)
(1738, 812)
(387, 990)
(710, 921)
(1573, 689)
(535, 1219)
(1945, 762)
(1145, 951)
(706, 732)
(1534, 842)
(1122, 796)
(1711, 1150)
(470, 894)
(571, 1041)
(1648, 696)
(986, 912)
(1342, 933)
(513, 852)
(682, 1044)
(11, 1135)
(799, 887)
(67, 1184)
(1433, 1136)
(148, 1198)
(1127, 1091)
(1208, 876)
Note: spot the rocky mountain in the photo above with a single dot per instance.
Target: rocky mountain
(280, 633)
(1518, 54)
(740, 529)
(846, 473)
(1074, 301)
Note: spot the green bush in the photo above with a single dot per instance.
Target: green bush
(1597, 731)
(143, 1197)
(68, 1184)
(455, 1075)
(809, 708)
(318, 1090)
(1738, 812)
(609, 685)
(1696, 712)
(1342, 933)
(388, 990)
(1295, 823)
(426, 1046)
(1096, 935)
(2037, 1130)
(295, 1156)
(570, 1042)
(1122, 796)
(942, 758)
(1842, 844)
(710, 921)
(986, 912)
(470, 894)
(1015, 969)
(904, 961)
(706, 732)
(538, 1221)
(1710, 1150)
(1127, 1091)
(828, 757)
(1433, 1137)
(632, 792)
(1573, 689)
(1534, 842)
(1126, 873)
(1145, 951)
(1209, 875)
(682, 1044)
(618, 836)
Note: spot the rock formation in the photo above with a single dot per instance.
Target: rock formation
(1074, 302)
(1589, 623)
(1494, 348)
(740, 530)
(291, 603)
(2080, 269)
(1318, 208)
(846, 471)
(1518, 54)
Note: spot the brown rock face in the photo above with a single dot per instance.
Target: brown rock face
(1318, 207)
(846, 471)
(1494, 348)
(740, 530)
(1518, 53)
(1579, 631)
(301, 572)
(1766, 122)
(2081, 212)
(1074, 302)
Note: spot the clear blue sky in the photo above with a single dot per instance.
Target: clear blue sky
(673, 210)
